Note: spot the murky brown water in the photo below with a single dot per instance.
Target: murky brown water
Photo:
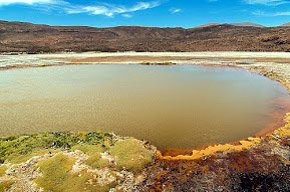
(172, 107)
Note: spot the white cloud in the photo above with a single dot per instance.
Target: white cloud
(28, 2)
(98, 9)
(263, 14)
(127, 15)
(111, 10)
(267, 2)
(282, 14)
(174, 10)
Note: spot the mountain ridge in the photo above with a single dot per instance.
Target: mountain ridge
(36, 38)
(246, 24)
(286, 25)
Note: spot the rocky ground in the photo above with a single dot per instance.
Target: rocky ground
(72, 162)
(105, 162)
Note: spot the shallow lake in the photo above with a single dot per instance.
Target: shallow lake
(171, 106)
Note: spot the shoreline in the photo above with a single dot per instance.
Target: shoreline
(260, 67)
(245, 58)
(243, 164)
(156, 53)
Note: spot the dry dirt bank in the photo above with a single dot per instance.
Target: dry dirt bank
(137, 57)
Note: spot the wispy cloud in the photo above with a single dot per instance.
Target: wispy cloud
(98, 8)
(111, 10)
(27, 2)
(174, 10)
(127, 15)
(264, 14)
(262, 2)
(282, 14)
(267, 2)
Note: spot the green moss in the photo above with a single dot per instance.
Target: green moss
(19, 147)
(3, 169)
(5, 185)
(94, 153)
(58, 178)
(55, 172)
(89, 149)
(97, 163)
(22, 158)
(131, 155)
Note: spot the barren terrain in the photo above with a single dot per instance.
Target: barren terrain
(31, 38)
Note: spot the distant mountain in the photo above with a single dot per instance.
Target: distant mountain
(286, 25)
(209, 24)
(249, 24)
(244, 24)
(31, 38)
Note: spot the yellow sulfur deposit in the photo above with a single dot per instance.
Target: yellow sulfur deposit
(282, 132)
(196, 154)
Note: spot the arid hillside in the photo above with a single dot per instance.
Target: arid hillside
(26, 37)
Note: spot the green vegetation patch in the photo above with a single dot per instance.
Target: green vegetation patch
(131, 155)
(20, 148)
(3, 169)
(57, 176)
(16, 158)
(94, 153)
(5, 185)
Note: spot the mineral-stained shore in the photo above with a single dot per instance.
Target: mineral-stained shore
(258, 165)
(255, 164)
(106, 162)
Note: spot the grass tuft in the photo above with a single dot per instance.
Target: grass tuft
(20, 148)
(57, 176)
(94, 153)
(5, 185)
(3, 169)
(131, 155)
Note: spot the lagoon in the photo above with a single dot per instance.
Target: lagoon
(181, 107)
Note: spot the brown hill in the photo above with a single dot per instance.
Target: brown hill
(26, 37)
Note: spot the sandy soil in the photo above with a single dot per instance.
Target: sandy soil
(25, 59)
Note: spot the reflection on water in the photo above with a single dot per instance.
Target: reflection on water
(172, 107)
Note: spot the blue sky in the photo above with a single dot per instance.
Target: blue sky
(163, 13)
